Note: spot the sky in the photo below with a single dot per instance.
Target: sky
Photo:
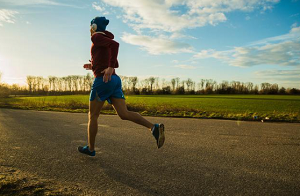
(235, 40)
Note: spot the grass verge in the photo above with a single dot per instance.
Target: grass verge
(235, 107)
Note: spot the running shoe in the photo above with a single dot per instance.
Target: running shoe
(86, 150)
(158, 131)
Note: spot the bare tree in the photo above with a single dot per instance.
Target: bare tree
(39, 84)
(249, 86)
(133, 81)
(274, 89)
(144, 84)
(151, 80)
(127, 82)
(173, 82)
(69, 82)
(75, 82)
(81, 82)
(50, 82)
(265, 87)
(177, 82)
(60, 84)
(214, 85)
(55, 83)
(156, 86)
(124, 82)
(202, 82)
(223, 87)
(64, 83)
(85, 82)
(34, 84)
(44, 84)
(164, 83)
(189, 83)
(89, 80)
(30, 81)
(194, 86)
(208, 84)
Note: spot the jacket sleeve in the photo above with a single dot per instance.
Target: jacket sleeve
(103, 41)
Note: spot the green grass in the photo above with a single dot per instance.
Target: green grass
(241, 107)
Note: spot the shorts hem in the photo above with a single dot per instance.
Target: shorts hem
(115, 98)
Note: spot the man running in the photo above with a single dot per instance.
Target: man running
(107, 86)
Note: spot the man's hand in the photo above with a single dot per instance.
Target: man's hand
(107, 74)
(87, 66)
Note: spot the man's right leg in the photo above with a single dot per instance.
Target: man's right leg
(94, 111)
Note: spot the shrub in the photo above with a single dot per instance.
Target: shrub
(4, 91)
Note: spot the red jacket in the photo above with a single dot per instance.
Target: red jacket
(104, 52)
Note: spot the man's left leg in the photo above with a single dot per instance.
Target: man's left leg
(94, 112)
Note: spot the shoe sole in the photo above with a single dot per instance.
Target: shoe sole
(161, 138)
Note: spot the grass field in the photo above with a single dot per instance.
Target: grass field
(241, 107)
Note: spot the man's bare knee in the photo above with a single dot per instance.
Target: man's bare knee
(93, 116)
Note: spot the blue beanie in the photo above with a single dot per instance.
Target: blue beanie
(101, 23)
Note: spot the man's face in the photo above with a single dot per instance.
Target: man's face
(92, 31)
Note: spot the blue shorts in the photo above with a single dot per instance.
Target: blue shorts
(104, 91)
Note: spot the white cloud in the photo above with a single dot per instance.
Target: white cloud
(282, 50)
(203, 54)
(287, 75)
(27, 2)
(35, 2)
(172, 17)
(294, 25)
(161, 14)
(287, 78)
(155, 45)
(177, 35)
(294, 15)
(97, 7)
(295, 31)
(185, 66)
(100, 8)
(7, 16)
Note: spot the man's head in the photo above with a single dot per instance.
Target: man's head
(99, 24)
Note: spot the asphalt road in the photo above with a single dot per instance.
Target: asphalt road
(200, 157)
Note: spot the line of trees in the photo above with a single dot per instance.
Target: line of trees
(67, 85)
(75, 84)
(153, 85)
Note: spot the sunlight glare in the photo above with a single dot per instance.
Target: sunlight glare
(8, 74)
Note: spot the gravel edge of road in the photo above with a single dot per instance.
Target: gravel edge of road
(17, 182)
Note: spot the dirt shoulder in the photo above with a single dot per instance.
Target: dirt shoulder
(16, 182)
